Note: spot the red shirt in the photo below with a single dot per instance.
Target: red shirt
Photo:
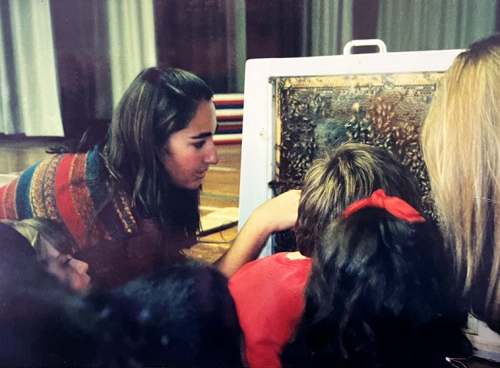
(268, 294)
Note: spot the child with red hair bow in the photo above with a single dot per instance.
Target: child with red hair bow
(379, 294)
(268, 292)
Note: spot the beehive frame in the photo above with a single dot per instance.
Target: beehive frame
(275, 87)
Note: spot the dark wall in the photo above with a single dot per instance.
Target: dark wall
(79, 63)
(191, 35)
(365, 18)
(273, 28)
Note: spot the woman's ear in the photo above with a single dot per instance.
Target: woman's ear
(162, 151)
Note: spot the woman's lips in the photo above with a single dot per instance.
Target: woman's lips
(201, 174)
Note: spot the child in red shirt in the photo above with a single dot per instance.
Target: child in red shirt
(268, 292)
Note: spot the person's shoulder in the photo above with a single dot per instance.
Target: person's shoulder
(263, 262)
(275, 264)
(254, 268)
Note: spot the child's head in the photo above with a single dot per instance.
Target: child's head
(339, 178)
(18, 261)
(190, 317)
(378, 292)
(54, 247)
(182, 316)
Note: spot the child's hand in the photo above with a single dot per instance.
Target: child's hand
(277, 214)
(280, 213)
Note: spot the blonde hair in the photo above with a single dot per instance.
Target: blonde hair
(338, 178)
(33, 228)
(461, 146)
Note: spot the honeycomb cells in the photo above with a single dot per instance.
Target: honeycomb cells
(318, 113)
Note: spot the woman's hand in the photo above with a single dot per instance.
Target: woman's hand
(277, 214)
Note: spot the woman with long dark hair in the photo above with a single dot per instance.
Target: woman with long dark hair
(130, 198)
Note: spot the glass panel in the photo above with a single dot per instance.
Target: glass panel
(316, 113)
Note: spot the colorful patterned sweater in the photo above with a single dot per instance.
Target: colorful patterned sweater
(72, 189)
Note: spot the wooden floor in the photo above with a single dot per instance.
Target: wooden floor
(219, 198)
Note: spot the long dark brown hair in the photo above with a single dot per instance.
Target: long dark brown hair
(157, 104)
(379, 295)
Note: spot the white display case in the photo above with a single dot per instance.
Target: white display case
(261, 119)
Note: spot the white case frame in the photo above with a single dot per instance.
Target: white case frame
(258, 154)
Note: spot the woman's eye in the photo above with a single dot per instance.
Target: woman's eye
(199, 144)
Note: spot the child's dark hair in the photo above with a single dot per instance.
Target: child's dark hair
(378, 296)
(182, 316)
(193, 313)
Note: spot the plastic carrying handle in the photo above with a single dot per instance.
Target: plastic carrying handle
(382, 48)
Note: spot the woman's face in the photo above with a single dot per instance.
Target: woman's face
(68, 270)
(190, 151)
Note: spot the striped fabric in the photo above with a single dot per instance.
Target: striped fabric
(229, 112)
(71, 189)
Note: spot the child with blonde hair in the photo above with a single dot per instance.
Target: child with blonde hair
(268, 292)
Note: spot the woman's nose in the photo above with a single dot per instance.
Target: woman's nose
(212, 158)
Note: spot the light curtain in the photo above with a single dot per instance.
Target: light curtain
(28, 79)
(327, 25)
(407, 25)
(29, 99)
(132, 47)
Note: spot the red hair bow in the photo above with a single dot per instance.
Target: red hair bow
(394, 205)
